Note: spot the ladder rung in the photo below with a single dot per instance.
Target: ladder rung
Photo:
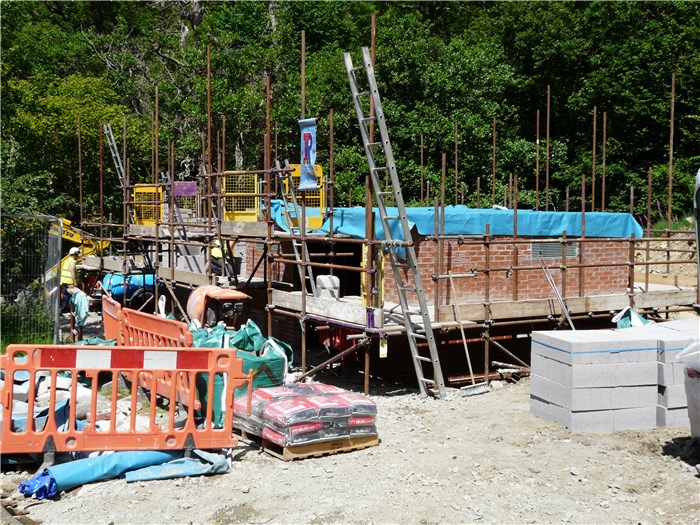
(358, 68)
(392, 218)
(426, 380)
(362, 94)
(385, 193)
(408, 288)
(367, 119)
(419, 336)
(380, 168)
(426, 359)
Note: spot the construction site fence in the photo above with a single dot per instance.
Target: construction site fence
(29, 278)
(56, 428)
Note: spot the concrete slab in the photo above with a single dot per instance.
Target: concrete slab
(595, 375)
(672, 396)
(672, 417)
(594, 420)
(593, 347)
(589, 399)
(690, 326)
(670, 373)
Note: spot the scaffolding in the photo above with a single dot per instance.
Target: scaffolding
(235, 208)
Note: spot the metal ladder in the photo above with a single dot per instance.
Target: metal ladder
(301, 251)
(415, 330)
(118, 165)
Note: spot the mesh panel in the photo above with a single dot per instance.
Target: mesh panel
(146, 211)
(186, 203)
(241, 207)
(29, 279)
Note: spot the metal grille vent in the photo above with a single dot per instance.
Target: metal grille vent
(553, 250)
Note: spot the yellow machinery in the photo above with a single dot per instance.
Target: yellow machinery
(312, 199)
(148, 204)
(242, 204)
(88, 245)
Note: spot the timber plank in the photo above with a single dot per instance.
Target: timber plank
(576, 305)
(309, 450)
(349, 312)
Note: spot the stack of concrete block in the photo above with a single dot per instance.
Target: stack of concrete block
(671, 338)
(594, 380)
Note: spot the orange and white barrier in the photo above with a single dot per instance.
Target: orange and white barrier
(150, 330)
(48, 435)
(112, 319)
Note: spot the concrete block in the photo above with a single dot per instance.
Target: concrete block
(595, 375)
(588, 399)
(690, 326)
(672, 396)
(668, 341)
(546, 410)
(595, 420)
(634, 418)
(672, 417)
(670, 373)
(593, 347)
(598, 421)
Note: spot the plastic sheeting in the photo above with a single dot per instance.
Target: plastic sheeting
(81, 305)
(66, 476)
(461, 220)
(81, 471)
(205, 464)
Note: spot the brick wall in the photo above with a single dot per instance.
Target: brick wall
(517, 284)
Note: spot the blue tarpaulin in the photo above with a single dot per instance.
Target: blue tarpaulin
(66, 476)
(204, 464)
(461, 220)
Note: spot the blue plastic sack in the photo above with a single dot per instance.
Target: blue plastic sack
(43, 486)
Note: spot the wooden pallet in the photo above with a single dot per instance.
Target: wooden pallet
(308, 450)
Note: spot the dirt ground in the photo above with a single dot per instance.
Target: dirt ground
(477, 459)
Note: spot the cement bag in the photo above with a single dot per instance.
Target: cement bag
(690, 357)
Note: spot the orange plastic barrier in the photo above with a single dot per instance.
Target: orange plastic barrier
(142, 329)
(44, 435)
(112, 319)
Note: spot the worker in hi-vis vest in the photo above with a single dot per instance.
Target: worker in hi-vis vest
(216, 257)
(69, 280)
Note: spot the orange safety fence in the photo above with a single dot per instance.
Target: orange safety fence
(45, 430)
(147, 329)
(112, 319)
(144, 329)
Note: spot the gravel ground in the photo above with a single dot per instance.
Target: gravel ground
(478, 459)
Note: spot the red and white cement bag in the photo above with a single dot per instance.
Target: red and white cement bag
(273, 393)
(359, 404)
(285, 412)
(286, 440)
(330, 406)
(362, 425)
(311, 389)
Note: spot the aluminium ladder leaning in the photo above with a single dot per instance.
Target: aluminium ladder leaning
(415, 330)
(292, 213)
(115, 152)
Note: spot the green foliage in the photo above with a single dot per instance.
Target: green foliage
(439, 64)
(25, 321)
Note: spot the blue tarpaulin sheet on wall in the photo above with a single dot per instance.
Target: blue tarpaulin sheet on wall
(461, 220)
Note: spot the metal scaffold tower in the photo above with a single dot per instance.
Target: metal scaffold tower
(416, 330)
